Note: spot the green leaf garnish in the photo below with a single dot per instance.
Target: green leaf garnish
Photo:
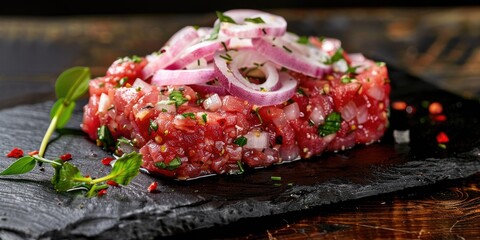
(172, 165)
(125, 168)
(153, 127)
(302, 40)
(63, 113)
(331, 125)
(72, 83)
(64, 177)
(105, 138)
(22, 165)
(224, 18)
(177, 98)
(189, 115)
(240, 141)
(337, 56)
(257, 20)
(204, 117)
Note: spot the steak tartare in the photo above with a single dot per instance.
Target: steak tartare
(243, 93)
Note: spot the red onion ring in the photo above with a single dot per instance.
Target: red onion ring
(237, 88)
(193, 53)
(278, 51)
(274, 25)
(164, 77)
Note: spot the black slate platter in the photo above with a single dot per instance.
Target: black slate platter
(31, 209)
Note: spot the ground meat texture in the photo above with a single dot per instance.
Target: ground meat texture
(189, 141)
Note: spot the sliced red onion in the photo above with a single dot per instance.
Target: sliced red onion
(329, 45)
(195, 52)
(237, 87)
(250, 58)
(281, 52)
(200, 63)
(274, 25)
(181, 77)
(178, 42)
(256, 139)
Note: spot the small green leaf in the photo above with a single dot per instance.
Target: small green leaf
(106, 138)
(172, 165)
(22, 165)
(302, 40)
(177, 98)
(331, 125)
(256, 20)
(72, 83)
(126, 168)
(215, 31)
(240, 141)
(204, 117)
(64, 177)
(189, 115)
(66, 113)
(224, 18)
(337, 56)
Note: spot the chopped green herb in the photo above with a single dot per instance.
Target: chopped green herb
(164, 110)
(331, 125)
(276, 178)
(214, 34)
(301, 91)
(204, 117)
(256, 20)
(240, 166)
(224, 18)
(258, 115)
(224, 46)
(380, 64)
(227, 57)
(302, 40)
(134, 59)
(153, 127)
(351, 69)
(121, 82)
(241, 141)
(337, 56)
(346, 79)
(177, 98)
(172, 165)
(105, 138)
(189, 115)
(196, 27)
(264, 31)
(287, 49)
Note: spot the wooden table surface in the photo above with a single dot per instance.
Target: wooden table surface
(439, 45)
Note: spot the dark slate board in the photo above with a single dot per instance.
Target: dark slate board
(31, 209)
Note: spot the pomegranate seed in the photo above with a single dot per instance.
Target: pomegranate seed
(112, 183)
(66, 157)
(153, 187)
(15, 153)
(107, 160)
(442, 138)
(102, 192)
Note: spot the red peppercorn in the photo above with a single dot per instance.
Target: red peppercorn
(66, 157)
(107, 160)
(112, 183)
(33, 153)
(102, 192)
(442, 138)
(153, 187)
(15, 153)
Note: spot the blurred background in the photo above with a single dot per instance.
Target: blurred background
(437, 42)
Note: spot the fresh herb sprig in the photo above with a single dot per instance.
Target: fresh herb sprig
(71, 85)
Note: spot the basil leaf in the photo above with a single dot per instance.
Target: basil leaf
(22, 165)
(126, 168)
(65, 115)
(64, 176)
(72, 83)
